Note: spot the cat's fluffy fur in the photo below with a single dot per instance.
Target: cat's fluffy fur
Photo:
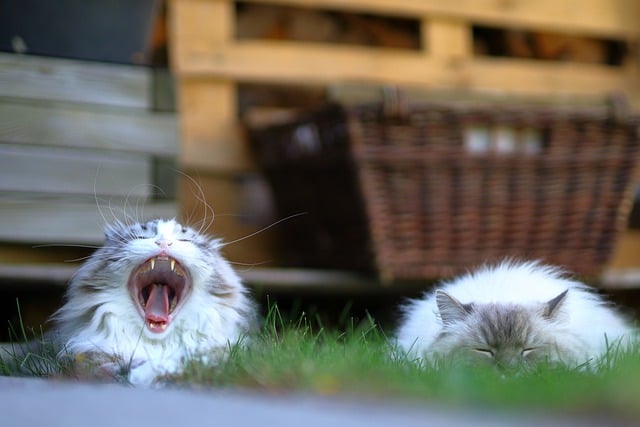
(101, 325)
(514, 312)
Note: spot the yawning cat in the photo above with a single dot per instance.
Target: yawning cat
(155, 295)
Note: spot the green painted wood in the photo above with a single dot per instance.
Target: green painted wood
(33, 77)
(70, 222)
(59, 125)
(73, 171)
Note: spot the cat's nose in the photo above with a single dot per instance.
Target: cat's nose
(164, 243)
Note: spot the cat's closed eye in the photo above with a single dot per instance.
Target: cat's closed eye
(184, 234)
(527, 351)
(484, 351)
(184, 237)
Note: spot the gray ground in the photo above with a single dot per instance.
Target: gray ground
(36, 402)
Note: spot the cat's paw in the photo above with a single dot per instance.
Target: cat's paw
(102, 367)
(149, 374)
(143, 375)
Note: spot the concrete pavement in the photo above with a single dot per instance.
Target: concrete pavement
(26, 402)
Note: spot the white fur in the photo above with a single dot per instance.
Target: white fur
(204, 327)
(587, 325)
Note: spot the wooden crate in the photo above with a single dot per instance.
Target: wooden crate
(76, 138)
(210, 61)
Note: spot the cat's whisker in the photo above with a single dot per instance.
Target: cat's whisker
(129, 220)
(207, 210)
(208, 216)
(139, 202)
(68, 261)
(264, 228)
(65, 245)
(95, 195)
(248, 264)
(116, 220)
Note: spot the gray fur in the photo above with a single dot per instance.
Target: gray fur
(505, 334)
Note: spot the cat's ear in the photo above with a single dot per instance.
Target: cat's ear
(552, 307)
(451, 310)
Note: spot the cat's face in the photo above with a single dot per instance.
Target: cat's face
(162, 261)
(503, 334)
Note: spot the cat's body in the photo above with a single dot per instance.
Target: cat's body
(512, 313)
(155, 295)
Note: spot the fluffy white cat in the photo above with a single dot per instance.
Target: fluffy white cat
(513, 313)
(155, 295)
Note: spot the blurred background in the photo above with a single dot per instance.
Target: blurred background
(353, 151)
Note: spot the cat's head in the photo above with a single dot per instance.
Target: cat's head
(507, 335)
(158, 265)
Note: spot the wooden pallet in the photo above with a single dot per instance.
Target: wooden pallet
(210, 63)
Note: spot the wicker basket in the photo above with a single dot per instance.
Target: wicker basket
(417, 191)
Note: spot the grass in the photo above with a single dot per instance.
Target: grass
(294, 356)
(29, 352)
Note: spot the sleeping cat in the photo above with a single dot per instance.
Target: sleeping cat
(513, 314)
(156, 294)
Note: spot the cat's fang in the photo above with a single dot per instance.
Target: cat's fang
(178, 270)
(173, 265)
(146, 267)
(152, 262)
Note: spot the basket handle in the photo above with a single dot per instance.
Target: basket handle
(394, 102)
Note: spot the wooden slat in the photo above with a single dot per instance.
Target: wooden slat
(289, 279)
(624, 278)
(197, 25)
(284, 62)
(272, 278)
(33, 77)
(63, 221)
(449, 39)
(51, 274)
(210, 130)
(530, 77)
(210, 134)
(606, 18)
(627, 250)
(296, 279)
(281, 62)
(17, 253)
(66, 126)
(73, 171)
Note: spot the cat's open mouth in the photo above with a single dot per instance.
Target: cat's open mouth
(158, 287)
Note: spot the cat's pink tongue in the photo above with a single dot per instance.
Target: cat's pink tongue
(156, 311)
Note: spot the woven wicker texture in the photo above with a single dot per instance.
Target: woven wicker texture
(428, 190)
